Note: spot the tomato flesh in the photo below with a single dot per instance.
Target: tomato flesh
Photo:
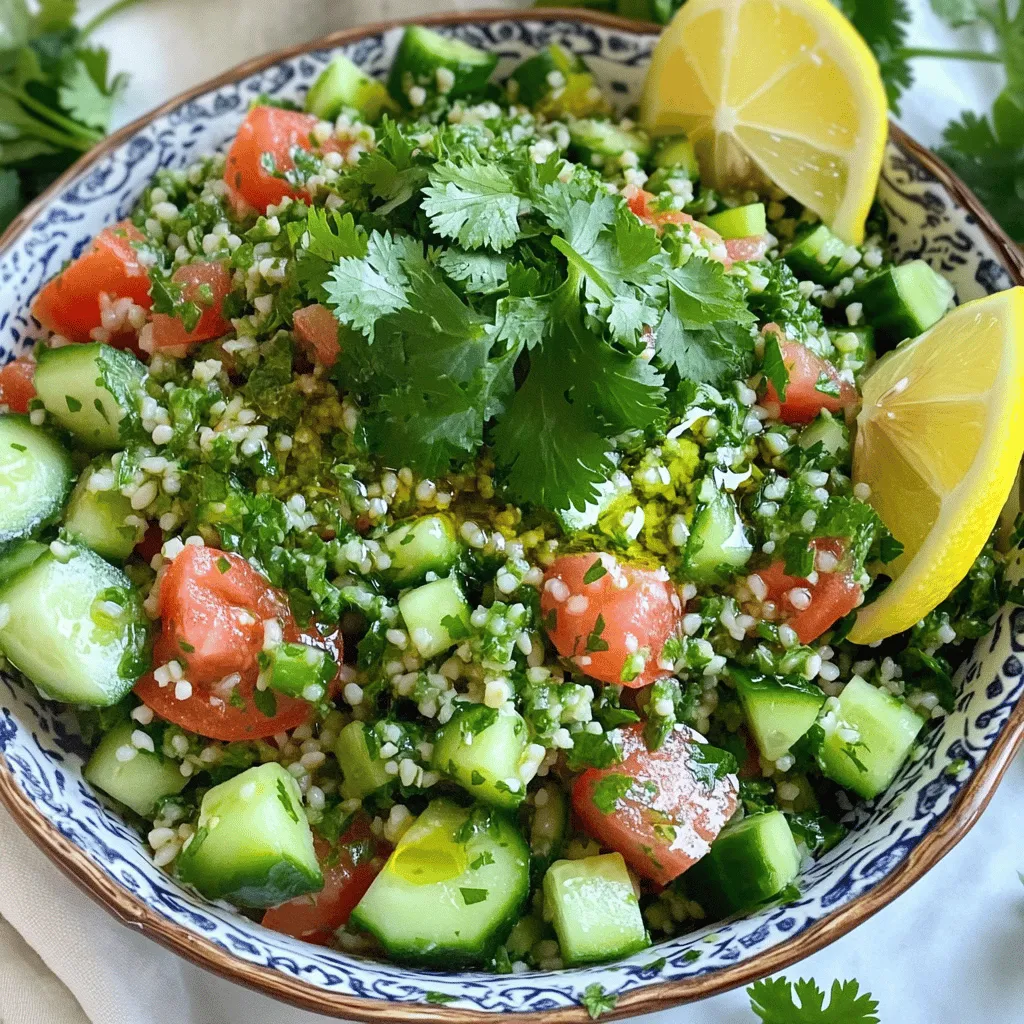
(638, 609)
(348, 871)
(69, 304)
(833, 596)
(745, 250)
(206, 284)
(640, 202)
(803, 398)
(668, 818)
(16, 387)
(317, 331)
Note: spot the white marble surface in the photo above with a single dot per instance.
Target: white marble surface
(950, 949)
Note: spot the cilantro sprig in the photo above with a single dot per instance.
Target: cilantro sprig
(775, 1001)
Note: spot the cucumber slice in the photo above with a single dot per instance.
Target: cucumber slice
(451, 890)
(603, 139)
(481, 749)
(422, 53)
(298, 670)
(75, 627)
(92, 390)
(253, 845)
(904, 301)
(718, 545)
(883, 731)
(778, 712)
(138, 783)
(342, 85)
(436, 615)
(739, 222)
(594, 909)
(97, 518)
(35, 478)
(549, 827)
(573, 520)
(556, 83)
(749, 862)
(828, 431)
(362, 771)
(819, 255)
(427, 544)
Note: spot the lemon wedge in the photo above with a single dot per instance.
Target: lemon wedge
(939, 440)
(783, 90)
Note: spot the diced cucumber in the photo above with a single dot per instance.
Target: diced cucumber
(749, 862)
(253, 845)
(819, 255)
(19, 557)
(739, 222)
(93, 390)
(718, 545)
(549, 826)
(867, 739)
(556, 82)
(778, 712)
(97, 517)
(594, 909)
(35, 478)
(451, 890)
(342, 85)
(481, 749)
(427, 544)
(602, 139)
(75, 627)
(436, 616)
(138, 782)
(904, 301)
(573, 520)
(856, 345)
(362, 771)
(676, 153)
(422, 53)
(298, 670)
(828, 431)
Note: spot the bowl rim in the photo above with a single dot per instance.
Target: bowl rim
(959, 818)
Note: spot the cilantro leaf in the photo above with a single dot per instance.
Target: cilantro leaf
(481, 273)
(475, 203)
(331, 237)
(773, 1001)
(84, 93)
(597, 1001)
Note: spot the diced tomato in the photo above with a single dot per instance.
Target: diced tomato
(317, 330)
(212, 608)
(348, 870)
(745, 250)
(69, 304)
(809, 373)
(269, 130)
(612, 620)
(16, 387)
(206, 284)
(640, 203)
(833, 596)
(151, 543)
(668, 818)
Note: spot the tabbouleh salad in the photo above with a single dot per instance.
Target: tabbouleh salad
(439, 509)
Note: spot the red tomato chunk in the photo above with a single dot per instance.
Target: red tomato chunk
(16, 387)
(809, 373)
(205, 284)
(317, 332)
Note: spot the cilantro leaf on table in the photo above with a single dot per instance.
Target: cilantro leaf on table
(475, 203)
(773, 1001)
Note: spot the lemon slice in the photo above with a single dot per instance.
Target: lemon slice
(939, 440)
(783, 90)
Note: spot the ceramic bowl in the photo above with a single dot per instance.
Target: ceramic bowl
(893, 839)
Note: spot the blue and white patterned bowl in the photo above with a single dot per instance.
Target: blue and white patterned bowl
(893, 839)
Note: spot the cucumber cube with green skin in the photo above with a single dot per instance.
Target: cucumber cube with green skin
(75, 626)
(451, 890)
(362, 770)
(739, 222)
(427, 544)
(138, 783)
(436, 616)
(903, 302)
(828, 431)
(35, 478)
(481, 749)
(748, 863)
(342, 85)
(253, 845)
(867, 738)
(97, 517)
(92, 390)
(778, 712)
(594, 910)
(423, 52)
(819, 255)
(532, 76)
(591, 137)
(676, 153)
(298, 670)
(718, 545)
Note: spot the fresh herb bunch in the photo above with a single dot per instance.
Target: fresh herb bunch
(56, 95)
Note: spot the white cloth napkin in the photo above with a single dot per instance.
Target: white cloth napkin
(950, 949)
